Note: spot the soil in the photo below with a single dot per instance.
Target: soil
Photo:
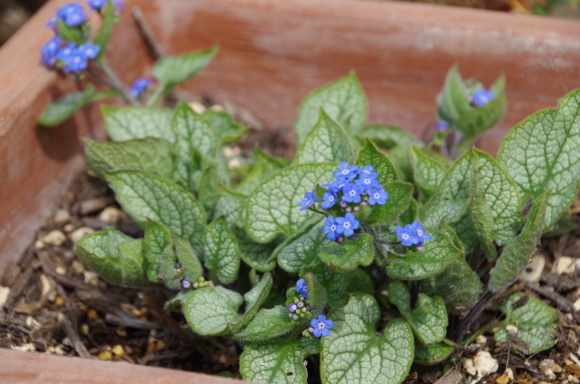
(57, 305)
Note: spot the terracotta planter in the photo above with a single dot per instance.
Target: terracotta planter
(272, 53)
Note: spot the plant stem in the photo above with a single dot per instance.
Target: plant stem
(117, 84)
(147, 32)
(484, 329)
(457, 137)
(100, 78)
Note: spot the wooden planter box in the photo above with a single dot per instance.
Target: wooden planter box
(272, 53)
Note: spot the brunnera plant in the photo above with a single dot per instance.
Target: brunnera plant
(364, 225)
(75, 51)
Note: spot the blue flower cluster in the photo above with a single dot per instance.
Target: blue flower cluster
(98, 4)
(441, 126)
(481, 97)
(298, 309)
(72, 15)
(353, 187)
(412, 234)
(139, 86)
(70, 58)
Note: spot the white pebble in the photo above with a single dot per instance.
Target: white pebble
(60, 270)
(28, 347)
(78, 234)
(91, 278)
(69, 228)
(512, 329)
(112, 215)
(4, 294)
(577, 304)
(533, 271)
(61, 217)
(197, 107)
(217, 108)
(55, 237)
(468, 366)
(564, 265)
(92, 205)
(484, 364)
(481, 339)
(509, 373)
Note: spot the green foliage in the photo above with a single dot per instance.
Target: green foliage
(59, 111)
(210, 231)
(540, 155)
(346, 353)
(536, 323)
(104, 34)
(344, 101)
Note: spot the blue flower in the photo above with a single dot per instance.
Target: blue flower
(367, 181)
(377, 196)
(309, 200)
(64, 53)
(72, 14)
(346, 172)
(407, 235)
(335, 186)
(482, 97)
(320, 326)
(139, 86)
(75, 62)
(331, 229)
(302, 287)
(98, 4)
(441, 126)
(351, 193)
(368, 171)
(347, 224)
(420, 232)
(49, 51)
(90, 50)
(328, 199)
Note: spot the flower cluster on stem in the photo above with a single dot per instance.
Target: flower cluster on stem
(412, 234)
(298, 309)
(481, 97)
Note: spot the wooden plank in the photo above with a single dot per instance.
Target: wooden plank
(18, 367)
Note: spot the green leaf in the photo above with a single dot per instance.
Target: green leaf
(301, 248)
(386, 136)
(126, 123)
(227, 129)
(453, 101)
(257, 255)
(208, 191)
(429, 318)
(273, 207)
(59, 111)
(327, 141)
(433, 354)
(360, 281)
(536, 322)
(458, 285)
(370, 155)
(221, 252)
(157, 238)
(480, 213)
(401, 159)
(267, 324)
(174, 70)
(104, 34)
(478, 120)
(334, 282)
(451, 211)
(517, 252)
(278, 361)
(213, 311)
(317, 296)
(439, 252)
(428, 172)
(264, 167)
(149, 154)
(178, 251)
(145, 196)
(410, 214)
(192, 133)
(399, 196)
(115, 256)
(230, 205)
(541, 153)
(77, 35)
(354, 354)
(344, 101)
(500, 192)
(348, 254)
